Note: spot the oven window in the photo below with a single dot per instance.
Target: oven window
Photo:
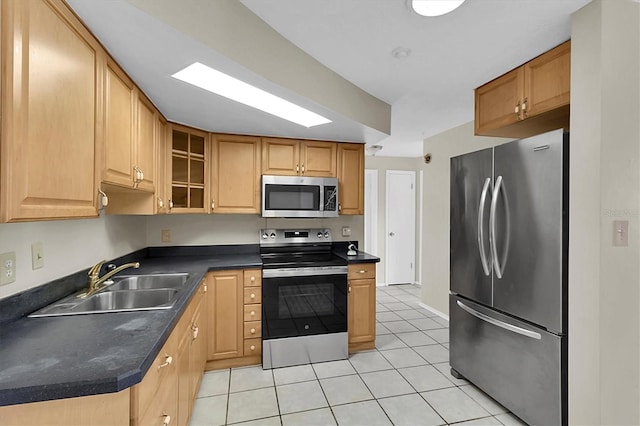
(292, 197)
(301, 306)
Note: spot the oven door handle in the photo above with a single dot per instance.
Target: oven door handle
(303, 272)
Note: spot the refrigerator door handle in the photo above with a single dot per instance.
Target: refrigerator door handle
(492, 231)
(498, 323)
(486, 266)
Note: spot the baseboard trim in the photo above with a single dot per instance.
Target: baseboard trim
(434, 310)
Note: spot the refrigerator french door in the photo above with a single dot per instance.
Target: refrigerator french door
(508, 285)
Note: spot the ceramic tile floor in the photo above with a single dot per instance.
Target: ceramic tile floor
(404, 381)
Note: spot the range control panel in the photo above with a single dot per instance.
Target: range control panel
(295, 236)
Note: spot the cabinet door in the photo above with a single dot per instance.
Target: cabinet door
(52, 109)
(280, 157)
(118, 148)
(188, 173)
(225, 304)
(184, 376)
(496, 101)
(318, 159)
(548, 80)
(236, 174)
(362, 311)
(198, 348)
(351, 178)
(146, 144)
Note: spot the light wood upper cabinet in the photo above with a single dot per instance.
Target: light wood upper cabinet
(236, 174)
(290, 157)
(187, 171)
(130, 141)
(119, 111)
(51, 113)
(225, 310)
(528, 100)
(351, 178)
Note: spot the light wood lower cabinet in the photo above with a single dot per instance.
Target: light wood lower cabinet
(235, 308)
(95, 410)
(362, 306)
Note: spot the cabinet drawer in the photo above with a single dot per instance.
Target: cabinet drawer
(252, 329)
(252, 347)
(161, 374)
(253, 312)
(253, 278)
(362, 271)
(252, 295)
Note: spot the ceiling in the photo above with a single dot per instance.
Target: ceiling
(421, 95)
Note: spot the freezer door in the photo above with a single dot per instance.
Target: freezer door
(470, 261)
(528, 225)
(520, 366)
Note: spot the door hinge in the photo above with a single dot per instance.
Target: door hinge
(411, 265)
(411, 186)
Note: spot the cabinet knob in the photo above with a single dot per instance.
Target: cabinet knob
(253, 331)
(253, 313)
(362, 271)
(166, 420)
(253, 347)
(253, 279)
(167, 361)
(253, 296)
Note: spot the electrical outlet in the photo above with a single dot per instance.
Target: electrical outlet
(37, 255)
(346, 231)
(7, 267)
(166, 235)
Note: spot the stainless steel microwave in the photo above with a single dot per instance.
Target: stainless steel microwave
(297, 196)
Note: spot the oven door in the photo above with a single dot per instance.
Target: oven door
(295, 305)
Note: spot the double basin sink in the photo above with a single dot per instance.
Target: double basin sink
(126, 293)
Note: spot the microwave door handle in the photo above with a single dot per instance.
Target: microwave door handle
(321, 201)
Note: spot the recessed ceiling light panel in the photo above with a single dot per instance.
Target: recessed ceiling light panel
(222, 84)
(434, 7)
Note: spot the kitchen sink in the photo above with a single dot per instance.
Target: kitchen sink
(145, 282)
(126, 294)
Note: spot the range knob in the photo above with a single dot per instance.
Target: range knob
(319, 234)
(273, 235)
(326, 234)
(265, 236)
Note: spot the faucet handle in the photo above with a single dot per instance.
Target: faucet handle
(95, 270)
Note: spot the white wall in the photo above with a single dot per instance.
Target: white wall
(435, 234)
(604, 295)
(239, 229)
(382, 164)
(69, 246)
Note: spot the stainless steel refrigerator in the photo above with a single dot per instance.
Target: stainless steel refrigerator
(508, 265)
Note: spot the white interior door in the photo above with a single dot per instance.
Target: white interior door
(371, 211)
(400, 230)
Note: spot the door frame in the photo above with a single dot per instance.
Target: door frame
(411, 173)
(371, 210)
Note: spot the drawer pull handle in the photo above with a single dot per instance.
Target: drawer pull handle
(253, 331)
(195, 330)
(166, 420)
(362, 271)
(253, 347)
(167, 361)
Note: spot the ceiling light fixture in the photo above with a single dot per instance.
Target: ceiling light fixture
(222, 84)
(373, 149)
(434, 7)
(401, 52)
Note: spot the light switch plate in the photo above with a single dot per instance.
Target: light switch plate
(7, 268)
(37, 255)
(621, 233)
(166, 235)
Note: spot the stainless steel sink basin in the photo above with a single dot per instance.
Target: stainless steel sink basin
(145, 282)
(127, 293)
(127, 300)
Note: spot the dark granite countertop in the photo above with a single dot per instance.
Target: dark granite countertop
(69, 356)
(361, 257)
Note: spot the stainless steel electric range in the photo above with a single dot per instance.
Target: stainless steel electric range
(304, 298)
